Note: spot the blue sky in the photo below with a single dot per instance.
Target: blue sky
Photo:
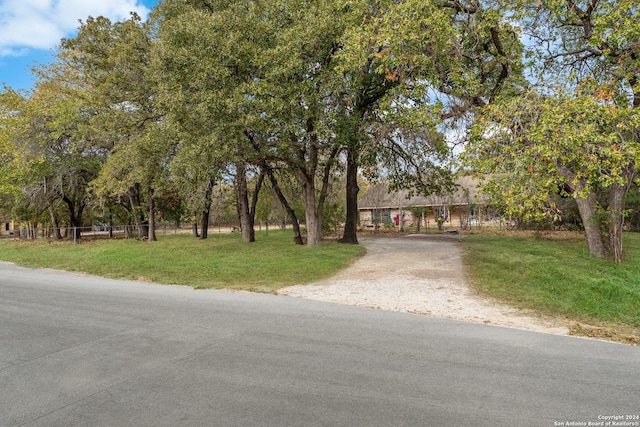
(31, 29)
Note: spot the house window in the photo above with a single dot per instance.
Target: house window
(381, 216)
(6, 226)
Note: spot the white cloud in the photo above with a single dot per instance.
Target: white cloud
(40, 24)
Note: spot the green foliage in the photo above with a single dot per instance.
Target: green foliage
(10, 155)
(113, 60)
(531, 146)
(207, 60)
(460, 54)
(442, 62)
(50, 159)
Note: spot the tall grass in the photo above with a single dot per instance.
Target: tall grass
(554, 275)
(221, 261)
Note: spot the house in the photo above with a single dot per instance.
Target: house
(6, 227)
(461, 208)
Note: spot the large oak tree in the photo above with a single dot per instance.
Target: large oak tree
(574, 128)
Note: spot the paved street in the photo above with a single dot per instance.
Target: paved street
(77, 350)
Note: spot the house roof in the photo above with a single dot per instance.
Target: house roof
(378, 196)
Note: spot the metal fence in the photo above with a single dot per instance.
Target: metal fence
(76, 234)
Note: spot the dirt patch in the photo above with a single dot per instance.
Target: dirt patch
(618, 333)
(417, 274)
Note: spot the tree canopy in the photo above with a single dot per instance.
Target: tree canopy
(573, 128)
(315, 94)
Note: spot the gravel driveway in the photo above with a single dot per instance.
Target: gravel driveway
(416, 274)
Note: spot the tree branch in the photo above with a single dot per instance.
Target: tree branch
(459, 7)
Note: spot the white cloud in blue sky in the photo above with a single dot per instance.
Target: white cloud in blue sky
(40, 24)
(30, 29)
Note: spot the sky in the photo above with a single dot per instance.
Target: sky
(30, 30)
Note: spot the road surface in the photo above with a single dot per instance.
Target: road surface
(77, 350)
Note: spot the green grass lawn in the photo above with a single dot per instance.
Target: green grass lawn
(221, 261)
(554, 275)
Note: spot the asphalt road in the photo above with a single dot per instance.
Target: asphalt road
(84, 351)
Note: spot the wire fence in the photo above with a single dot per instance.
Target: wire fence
(77, 234)
(103, 232)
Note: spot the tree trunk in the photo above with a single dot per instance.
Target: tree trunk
(254, 203)
(137, 212)
(244, 211)
(313, 213)
(297, 235)
(351, 222)
(55, 235)
(110, 226)
(204, 218)
(204, 224)
(75, 216)
(152, 215)
(592, 226)
(313, 218)
(616, 220)
(588, 208)
(194, 228)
